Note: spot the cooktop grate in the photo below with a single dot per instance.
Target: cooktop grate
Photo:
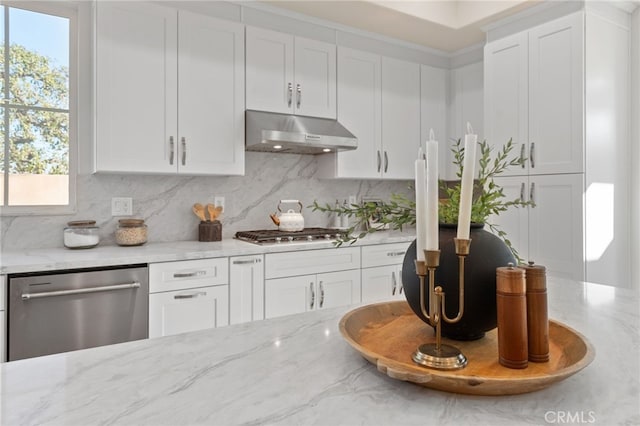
(265, 236)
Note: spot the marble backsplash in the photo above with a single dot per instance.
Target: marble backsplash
(165, 201)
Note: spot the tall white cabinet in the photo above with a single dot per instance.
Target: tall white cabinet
(560, 90)
(288, 74)
(169, 91)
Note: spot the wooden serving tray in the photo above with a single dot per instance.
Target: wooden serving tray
(386, 334)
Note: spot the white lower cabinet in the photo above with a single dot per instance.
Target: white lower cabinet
(308, 280)
(292, 295)
(551, 233)
(187, 310)
(3, 319)
(382, 272)
(188, 296)
(382, 283)
(246, 289)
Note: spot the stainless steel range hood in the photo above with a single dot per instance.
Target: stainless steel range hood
(293, 134)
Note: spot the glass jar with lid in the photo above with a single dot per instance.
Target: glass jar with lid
(81, 234)
(131, 232)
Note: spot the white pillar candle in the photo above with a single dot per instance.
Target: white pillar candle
(466, 192)
(421, 206)
(432, 193)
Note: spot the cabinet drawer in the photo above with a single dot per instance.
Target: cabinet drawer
(311, 262)
(187, 310)
(170, 276)
(3, 291)
(384, 254)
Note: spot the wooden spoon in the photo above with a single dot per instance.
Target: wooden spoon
(198, 209)
(212, 211)
(216, 213)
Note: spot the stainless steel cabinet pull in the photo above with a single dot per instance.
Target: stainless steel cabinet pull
(246, 262)
(184, 151)
(396, 253)
(522, 191)
(27, 296)
(522, 155)
(393, 283)
(289, 94)
(171, 150)
(532, 193)
(313, 296)
(379, 161)
(401, 285)
(386, 162)
(190, 295)
(321, 294)
(298, 95)
(532, 152)
(189, 274)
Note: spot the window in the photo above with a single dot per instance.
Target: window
(37, 135)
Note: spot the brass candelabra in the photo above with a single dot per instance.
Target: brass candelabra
(437, 355)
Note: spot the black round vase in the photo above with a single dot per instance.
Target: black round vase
(487, 252)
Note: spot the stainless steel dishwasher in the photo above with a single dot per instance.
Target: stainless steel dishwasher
(76, 309)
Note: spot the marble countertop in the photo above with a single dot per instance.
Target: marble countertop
(51, 259)
(299, 370)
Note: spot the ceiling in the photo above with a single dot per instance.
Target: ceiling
(447, 25)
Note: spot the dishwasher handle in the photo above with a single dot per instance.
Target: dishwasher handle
(28, 296)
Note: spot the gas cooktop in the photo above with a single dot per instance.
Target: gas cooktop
(274, 236)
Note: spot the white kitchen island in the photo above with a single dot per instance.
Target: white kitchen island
(298, 370)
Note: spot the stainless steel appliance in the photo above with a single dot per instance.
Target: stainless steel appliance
(274, 236)
(76, 309)
(294, 134)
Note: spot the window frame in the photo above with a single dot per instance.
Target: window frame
(70, 11)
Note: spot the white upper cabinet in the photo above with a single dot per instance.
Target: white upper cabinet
(288, 74)
(169, 91)
(136, 84)
(400, 117)
(534, 95)
(360, 109)
(433, 111)
(379, 102)
(210, 96)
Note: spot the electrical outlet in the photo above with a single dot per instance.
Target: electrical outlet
(352, 200)
(219, 201)
(121, 206)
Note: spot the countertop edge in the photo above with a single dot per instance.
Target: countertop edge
(54, 259)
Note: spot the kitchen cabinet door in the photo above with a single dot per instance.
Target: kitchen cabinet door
(515, 221)
(506, 87)
(187, 310)
(400, 118)
(433, 112)
(315, 78)
(136, 88)
(534, 93)
(164, 106)
(359, 110)
(291, 295)
(556, 230)
(269, 68)
(246, 289)
(290, 75)
(382, 283)
(556, 95)
(210, 96)
(338, 289)
(550, 233)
